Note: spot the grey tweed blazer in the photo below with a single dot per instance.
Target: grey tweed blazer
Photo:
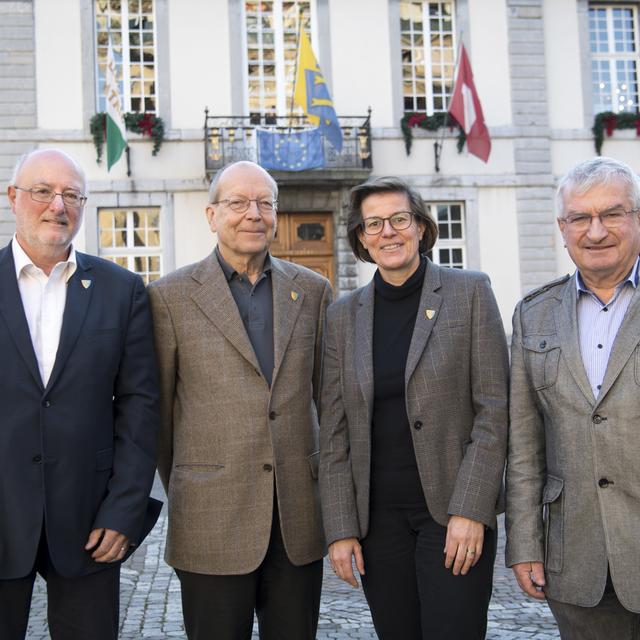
(226, 437)
(573, 473)
(456, 396)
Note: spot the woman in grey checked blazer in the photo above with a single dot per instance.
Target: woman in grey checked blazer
(413, 426)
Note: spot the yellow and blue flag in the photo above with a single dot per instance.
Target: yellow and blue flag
(293, 151)
(312, 94)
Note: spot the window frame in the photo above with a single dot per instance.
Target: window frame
(123, 62)
(427, 62)
(283, 102)
(612, 57)
(449, 243)
(132, 251)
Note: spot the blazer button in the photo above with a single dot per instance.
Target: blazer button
(597, 419)
(267, 467)
(46, 404)
(272, 415)
(543, 344)
(417, 425)
(37, 459)
(604, 483)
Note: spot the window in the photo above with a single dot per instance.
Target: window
(613, 39)
(271, 30)
(131, 26)
(427, 41)
(131, 238)
(450, 249)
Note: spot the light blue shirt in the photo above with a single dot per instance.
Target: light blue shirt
(598, 325)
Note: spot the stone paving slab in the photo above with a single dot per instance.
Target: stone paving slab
(151, 609)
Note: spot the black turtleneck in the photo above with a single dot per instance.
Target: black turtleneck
(394, 474)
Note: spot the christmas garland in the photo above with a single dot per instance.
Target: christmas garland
(430, 123)
(608, 121)
(145, 123)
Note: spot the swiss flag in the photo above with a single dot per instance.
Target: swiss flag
(466, 109)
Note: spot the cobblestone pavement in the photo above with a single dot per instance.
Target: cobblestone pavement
(150, 603)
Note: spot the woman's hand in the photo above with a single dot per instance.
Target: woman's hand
(341, 553)
(463, 546)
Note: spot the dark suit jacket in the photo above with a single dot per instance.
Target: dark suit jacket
(456, 396)
(80, 453)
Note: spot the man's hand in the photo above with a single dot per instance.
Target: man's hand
(463, 545)
(108, 545)
(341, 553)
(530, 577)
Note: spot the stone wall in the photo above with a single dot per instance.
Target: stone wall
(17, 96)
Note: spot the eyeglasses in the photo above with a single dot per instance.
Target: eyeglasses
(611, 219)
(46, 195)
(241, 205)
(398, 221)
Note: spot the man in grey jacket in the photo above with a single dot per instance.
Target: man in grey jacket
(573, 475)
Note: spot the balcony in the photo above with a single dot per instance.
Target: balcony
(233, 138)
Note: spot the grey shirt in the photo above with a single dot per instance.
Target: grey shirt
(255, 304)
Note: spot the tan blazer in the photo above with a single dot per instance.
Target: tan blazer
(225, 436)
(456, 396)
(573, 476)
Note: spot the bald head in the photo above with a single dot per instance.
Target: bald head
(47, 156)
(47, 218)
(244, 167)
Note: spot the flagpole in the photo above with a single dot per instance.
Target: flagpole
(295, 69)
(437, 146)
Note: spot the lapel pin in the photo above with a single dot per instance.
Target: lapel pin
(429, 313)
(294, 295)
(86, 283)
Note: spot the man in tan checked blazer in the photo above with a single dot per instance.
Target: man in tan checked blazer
(239, 342)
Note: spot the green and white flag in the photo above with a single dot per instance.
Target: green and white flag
(116, 136)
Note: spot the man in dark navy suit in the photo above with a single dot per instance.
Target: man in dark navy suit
(78, 411)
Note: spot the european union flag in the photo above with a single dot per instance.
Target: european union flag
(293, 151)
(312, 95)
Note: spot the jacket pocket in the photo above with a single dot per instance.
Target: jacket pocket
(553, 517)
(542, 355)
(637, 366)
(198, 467)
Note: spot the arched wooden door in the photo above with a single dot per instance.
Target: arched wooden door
(306, 239)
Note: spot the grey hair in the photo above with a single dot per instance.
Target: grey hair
(17, 168)
(215, 182)
(594, 172)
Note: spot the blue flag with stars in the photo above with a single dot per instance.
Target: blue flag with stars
(312, 94)
(292, 151)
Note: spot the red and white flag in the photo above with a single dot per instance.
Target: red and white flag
(466, 109)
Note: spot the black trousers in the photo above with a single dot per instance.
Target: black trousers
(77, 608)
(412, 596)
(285, 597)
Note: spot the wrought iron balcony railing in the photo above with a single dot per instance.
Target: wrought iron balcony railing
(232, 138)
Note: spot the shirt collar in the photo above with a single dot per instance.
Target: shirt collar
(21, 260)
(632, 278)
(229, 271)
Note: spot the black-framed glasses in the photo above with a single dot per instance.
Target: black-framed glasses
(611, 219)
(45, 195)
(399, 220)
(241, 205)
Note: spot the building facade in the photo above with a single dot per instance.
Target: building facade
(544, 70)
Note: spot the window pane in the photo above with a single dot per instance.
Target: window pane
(130, 27)
(430, 46)
(613, 44)
(271, 37)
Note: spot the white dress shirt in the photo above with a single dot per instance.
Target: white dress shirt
(43, 300)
